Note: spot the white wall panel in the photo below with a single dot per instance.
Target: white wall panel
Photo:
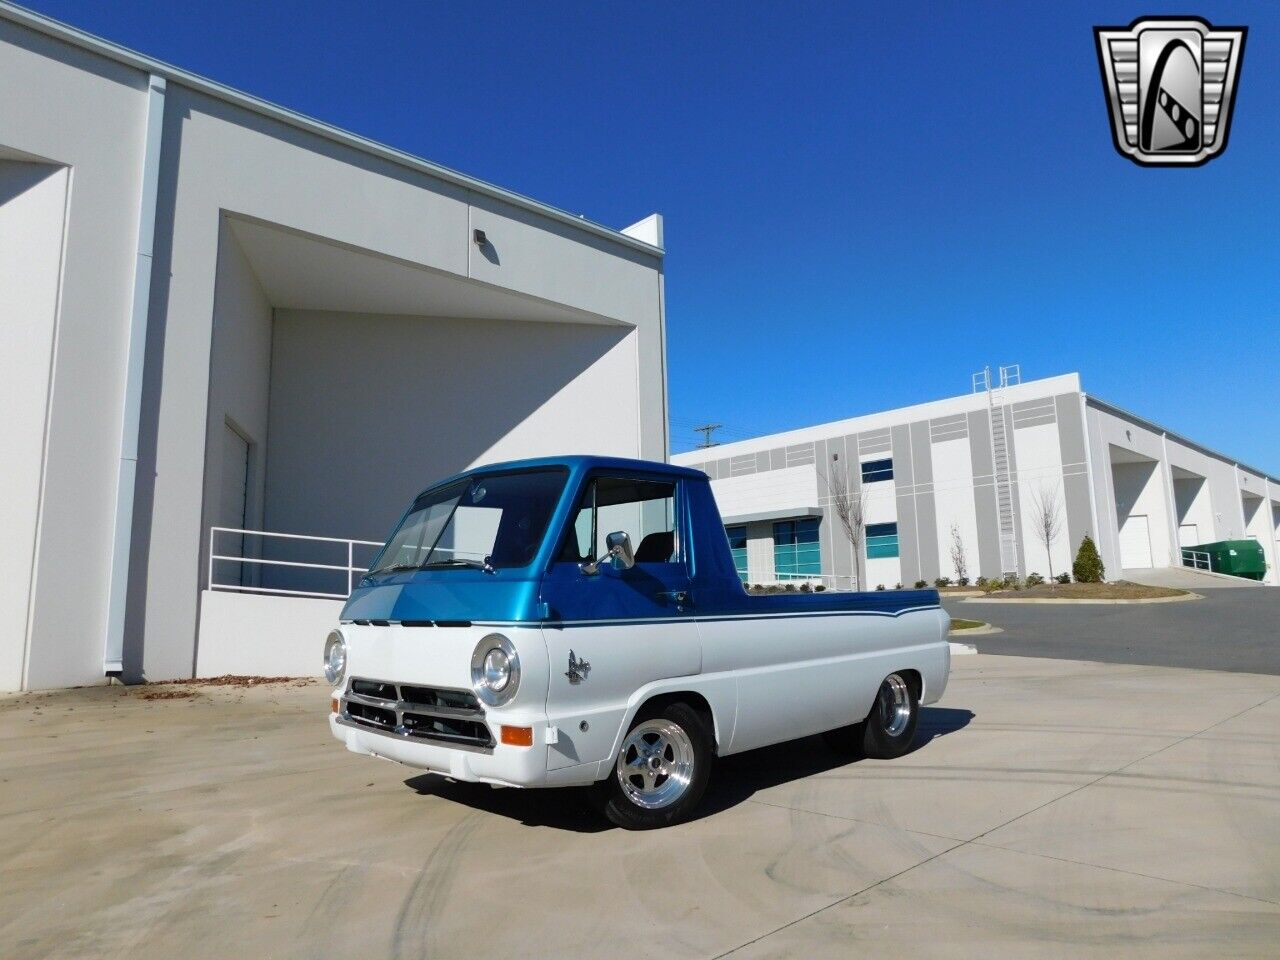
(32, 207)
(773, 491)
(265, 636)
(367, 410)
(94, 128)
(1038, 454)
(953, 495)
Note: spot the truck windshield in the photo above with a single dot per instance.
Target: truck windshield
(488, 521)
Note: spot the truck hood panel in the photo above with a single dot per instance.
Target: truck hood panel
(449, 595)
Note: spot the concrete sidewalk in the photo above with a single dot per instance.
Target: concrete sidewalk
(1054, 809)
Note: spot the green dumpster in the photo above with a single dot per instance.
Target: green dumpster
(1239, 558)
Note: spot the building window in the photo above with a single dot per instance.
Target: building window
(882, 540)
(875, 470)
(796, 553)
(738, 547)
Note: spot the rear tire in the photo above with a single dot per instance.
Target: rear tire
(661, 770)
(890, 727)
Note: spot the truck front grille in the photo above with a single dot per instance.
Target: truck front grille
(449, 717)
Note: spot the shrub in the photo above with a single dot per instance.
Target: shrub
(981, 583)
(921, 584)
(806, 587)
(1063, 578)
(990, 586)
(791, 588)
(962, 581)
(818, 588)
(897, 586)
(942, 582)
(1034, 579)
(879, 586)
(1088, 567)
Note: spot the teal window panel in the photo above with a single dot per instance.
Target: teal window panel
(738, 547)
(882, 540)
(796, 550)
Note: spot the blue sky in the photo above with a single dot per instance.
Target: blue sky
(864, 202)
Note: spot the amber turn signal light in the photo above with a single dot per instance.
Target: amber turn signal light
(334, 706)
(517, 736)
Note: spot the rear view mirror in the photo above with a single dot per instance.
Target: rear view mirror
(619, 547)
(617, 551)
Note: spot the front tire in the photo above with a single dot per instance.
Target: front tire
(661, 770)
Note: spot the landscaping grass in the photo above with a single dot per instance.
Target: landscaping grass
(1120, 590)
(958, 624)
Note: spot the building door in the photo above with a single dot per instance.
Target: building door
(1135, 543)
(231, 507)
(1188, 535)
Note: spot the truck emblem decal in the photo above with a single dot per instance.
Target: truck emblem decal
(578, 669)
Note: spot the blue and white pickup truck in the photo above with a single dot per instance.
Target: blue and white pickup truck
(578, 621)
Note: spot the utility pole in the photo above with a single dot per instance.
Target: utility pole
(706, 430)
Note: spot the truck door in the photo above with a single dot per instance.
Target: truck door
(612, 632)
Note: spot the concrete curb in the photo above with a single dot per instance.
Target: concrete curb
(981, 631)
(962, 649)
(1179, 599)
(959, 594)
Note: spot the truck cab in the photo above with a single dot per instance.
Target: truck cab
(579, 621)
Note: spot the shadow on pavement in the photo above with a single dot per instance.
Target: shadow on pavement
(734, 780)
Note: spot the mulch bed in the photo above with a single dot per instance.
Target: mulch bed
(1120, 590)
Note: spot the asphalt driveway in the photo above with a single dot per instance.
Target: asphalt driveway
(1230, 629)
(1053, 809)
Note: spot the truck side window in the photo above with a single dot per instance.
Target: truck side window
(644, 509)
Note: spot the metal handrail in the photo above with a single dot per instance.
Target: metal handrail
(350, 568)
(828, 580)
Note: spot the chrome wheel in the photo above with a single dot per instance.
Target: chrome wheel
(655, 764)
(894, 701)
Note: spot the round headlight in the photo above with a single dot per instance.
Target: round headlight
(495, 670)
(335, 657)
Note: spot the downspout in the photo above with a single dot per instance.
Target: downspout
(1269, 529)
(1096, 533)
(1235, 467)
(1170, 502)
(126, 477)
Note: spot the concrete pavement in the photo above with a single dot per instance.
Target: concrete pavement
(1054, 808)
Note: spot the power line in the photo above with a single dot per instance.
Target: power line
(706, 430)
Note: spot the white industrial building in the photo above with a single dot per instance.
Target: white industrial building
(980, 468)
(217, 313)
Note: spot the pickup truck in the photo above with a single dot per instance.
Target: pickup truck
(578, 621)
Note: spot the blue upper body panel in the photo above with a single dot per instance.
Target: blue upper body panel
(551, 590)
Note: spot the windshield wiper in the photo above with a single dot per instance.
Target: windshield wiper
(485, 565)
(394, 568)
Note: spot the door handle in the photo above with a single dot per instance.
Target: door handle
(678, 597)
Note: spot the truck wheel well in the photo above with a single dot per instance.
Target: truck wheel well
(695, 700)
(917, 682)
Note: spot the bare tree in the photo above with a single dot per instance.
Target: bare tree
(1046, 519)
(958, 559)
(850, 506)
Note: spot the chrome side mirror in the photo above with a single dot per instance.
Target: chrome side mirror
(617, 551)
